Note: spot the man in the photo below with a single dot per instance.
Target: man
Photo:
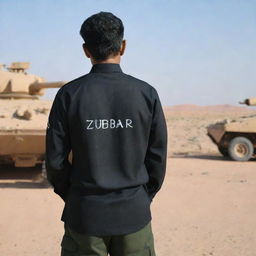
(115, 126)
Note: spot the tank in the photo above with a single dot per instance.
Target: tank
(236, 139)
(16, 83)
(23, 115)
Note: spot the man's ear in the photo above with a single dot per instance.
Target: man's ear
(122, 49)
(87, 53)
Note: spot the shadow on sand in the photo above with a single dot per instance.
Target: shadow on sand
(22, 177)
(206, 157)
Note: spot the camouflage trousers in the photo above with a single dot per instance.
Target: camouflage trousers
(140, 243)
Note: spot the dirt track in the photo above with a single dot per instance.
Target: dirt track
(207, 206)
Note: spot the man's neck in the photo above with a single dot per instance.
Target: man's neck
(113, 60)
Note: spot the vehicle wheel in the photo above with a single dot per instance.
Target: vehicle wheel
(240, 149)
(223, 151)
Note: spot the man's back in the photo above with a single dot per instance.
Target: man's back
(110, 117)
(115, 126)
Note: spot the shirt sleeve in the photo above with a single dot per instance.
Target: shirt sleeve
(155, 160)
(58, 146)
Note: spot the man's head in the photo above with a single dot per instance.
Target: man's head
(103, 37)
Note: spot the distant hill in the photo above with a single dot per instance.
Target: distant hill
(211, 108)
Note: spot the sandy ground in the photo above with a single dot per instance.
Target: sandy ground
(206, 206)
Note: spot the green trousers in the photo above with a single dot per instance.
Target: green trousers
(140, 243)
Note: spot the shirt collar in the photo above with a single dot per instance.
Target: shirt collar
(106, 68)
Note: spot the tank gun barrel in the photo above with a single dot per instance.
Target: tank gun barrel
(37, 88)
(249, 102)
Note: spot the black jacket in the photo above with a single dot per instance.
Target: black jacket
(115, 126)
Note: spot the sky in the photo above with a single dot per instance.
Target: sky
(192, 51)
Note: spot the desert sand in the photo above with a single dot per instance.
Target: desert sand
(206, 205)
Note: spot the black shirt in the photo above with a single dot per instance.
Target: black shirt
(115, 126)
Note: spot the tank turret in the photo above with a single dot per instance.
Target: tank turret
(16, 83)
(249, 102)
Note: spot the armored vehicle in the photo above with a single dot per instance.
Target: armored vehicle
(16, 83)
(22, 136)
(236, 138)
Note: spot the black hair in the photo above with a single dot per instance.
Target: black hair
(103, 35)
